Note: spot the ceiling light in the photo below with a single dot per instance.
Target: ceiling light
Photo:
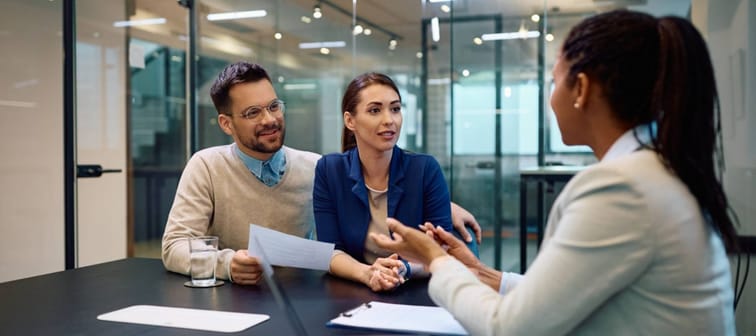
(316, 13)
(357, 30)
(419, 55)
(325, 51)
(305, 19)
(237, 15)
(445, 8)
(535, 18)
(392, 43)
(511, 36)
(465, 72)
(549, 37)
(507, 91)
(327, 44)
(281, 79)
(477, 40)
(277, 36)
(433, 1)
(435, 33)
(300, 86)
(142, 22)
(367, 31)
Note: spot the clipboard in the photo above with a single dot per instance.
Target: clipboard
(399, 318)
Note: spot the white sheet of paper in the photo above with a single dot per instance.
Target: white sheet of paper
(400, 317)
(290, 251)
(199, 319)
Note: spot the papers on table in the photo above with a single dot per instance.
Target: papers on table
(281, 249)
(209, 320)
(399, 317)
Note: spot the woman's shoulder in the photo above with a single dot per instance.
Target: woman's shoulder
(335, 160)
(335, 157)
(641, 172)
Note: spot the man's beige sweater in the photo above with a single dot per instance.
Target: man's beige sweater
(218, 196)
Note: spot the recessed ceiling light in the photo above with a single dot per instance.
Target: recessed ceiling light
(326, 44)
(510, 36)
(237, 15)
(142, 22)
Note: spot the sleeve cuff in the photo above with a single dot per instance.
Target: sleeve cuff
(508, 282)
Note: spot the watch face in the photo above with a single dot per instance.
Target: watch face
(404, 270)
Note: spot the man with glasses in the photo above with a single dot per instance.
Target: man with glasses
(256, 180)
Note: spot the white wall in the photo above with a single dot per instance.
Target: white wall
(730, 30)
(31, 138)
(32, 203)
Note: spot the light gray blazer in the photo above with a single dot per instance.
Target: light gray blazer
(626, 252)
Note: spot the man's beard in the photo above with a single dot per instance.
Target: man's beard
(263, 147)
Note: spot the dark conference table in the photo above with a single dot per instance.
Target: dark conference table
(68, 302)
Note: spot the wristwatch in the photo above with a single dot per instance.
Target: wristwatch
(405, 272)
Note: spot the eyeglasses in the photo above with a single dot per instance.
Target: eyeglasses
(275, 106)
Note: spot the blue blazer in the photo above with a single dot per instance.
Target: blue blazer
(417, 193)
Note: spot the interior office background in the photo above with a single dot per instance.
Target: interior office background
(138, 105)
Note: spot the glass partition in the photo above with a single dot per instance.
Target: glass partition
(477, 101)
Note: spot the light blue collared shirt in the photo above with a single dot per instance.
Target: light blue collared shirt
(270, 171)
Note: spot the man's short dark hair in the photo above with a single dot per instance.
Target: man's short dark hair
(240, 72)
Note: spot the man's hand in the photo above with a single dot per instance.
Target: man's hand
(245, 270)
(462, 218)
(409, 243)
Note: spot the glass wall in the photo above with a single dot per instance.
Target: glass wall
(475, 78)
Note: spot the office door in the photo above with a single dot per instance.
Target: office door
(101, 137)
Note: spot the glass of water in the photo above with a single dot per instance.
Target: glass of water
(203, 255)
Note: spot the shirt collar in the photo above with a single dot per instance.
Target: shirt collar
(269, 171)
(628, 143)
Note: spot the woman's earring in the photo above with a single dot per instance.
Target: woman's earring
(576, 105)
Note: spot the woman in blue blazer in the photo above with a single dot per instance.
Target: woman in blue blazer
(373, 179)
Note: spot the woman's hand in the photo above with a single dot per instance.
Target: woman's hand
(453, 246)
(383, 274)
(411, 244)
(461, 219)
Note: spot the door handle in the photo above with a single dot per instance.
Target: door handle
(94, 170)
(485, 165)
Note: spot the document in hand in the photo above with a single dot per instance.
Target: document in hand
(290, 251)
(399, 317)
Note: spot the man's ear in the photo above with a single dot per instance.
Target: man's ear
(349, 120)
(224, 122)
